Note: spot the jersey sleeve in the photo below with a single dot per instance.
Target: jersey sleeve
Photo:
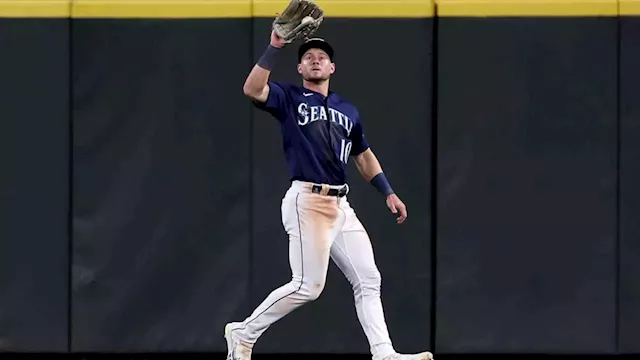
(276, 100)
(358, 141)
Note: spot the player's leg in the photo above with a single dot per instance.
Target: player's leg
(353, 254)
(312, 222)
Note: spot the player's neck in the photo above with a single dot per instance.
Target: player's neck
(322, 88)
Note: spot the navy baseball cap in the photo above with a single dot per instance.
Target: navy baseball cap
(315, 43)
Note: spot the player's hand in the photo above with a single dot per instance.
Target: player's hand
(276, 40)
(397, 206)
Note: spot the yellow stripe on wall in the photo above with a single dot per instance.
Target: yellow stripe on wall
(355, 8)
(209, 8)
(333, 8)
(629, 7)
(35, 8)
(161, 9)
(528, 8)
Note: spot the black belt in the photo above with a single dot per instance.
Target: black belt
(317, 189)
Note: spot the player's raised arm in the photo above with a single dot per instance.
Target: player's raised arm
(255, 86)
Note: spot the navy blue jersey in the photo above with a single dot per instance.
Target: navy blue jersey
(318, 133)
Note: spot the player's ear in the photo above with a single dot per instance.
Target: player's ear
(299, 69)
(333, 68)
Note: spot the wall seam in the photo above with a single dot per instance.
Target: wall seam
(70, 5)
(617, 186)
(434, 175)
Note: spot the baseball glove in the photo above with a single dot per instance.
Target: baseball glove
(290, 25)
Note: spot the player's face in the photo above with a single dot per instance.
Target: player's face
(316, 66)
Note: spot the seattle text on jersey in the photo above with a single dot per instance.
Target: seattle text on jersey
(319, 133)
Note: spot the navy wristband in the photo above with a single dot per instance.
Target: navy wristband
(268, 59)
(380, 182)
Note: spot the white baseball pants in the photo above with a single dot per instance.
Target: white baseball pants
(320, 227)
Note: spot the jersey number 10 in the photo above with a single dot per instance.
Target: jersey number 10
(345, 150)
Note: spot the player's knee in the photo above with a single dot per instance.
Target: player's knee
(311, 290)
(369, 282)
(315, 292)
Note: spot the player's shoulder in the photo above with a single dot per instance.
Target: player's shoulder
(342, 99)
(346, 104)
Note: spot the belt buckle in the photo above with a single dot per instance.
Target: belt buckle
(317, 189)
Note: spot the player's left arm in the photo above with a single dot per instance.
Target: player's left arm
(371, 170)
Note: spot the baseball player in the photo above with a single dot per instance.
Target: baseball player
(320, 131)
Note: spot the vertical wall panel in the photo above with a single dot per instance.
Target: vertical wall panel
(161, 196)
(396, 116)
(629, 316)
(526, 185)
(34, 182)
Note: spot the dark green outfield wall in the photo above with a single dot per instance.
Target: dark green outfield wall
(629, 220)
(512, 141)
(34, 184)
(527, 119)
